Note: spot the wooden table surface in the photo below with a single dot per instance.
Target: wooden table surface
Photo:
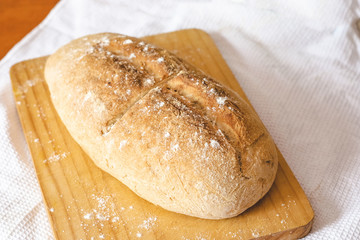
(18, 18)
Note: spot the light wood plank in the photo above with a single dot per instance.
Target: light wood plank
(84, 202)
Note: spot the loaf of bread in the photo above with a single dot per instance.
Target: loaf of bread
(172, 134)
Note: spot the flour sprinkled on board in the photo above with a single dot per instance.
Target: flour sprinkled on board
(24, 87)
(56, 157)
(148, 223)
(103, 213)
(104, 209)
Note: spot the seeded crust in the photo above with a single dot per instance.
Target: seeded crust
(173, 135)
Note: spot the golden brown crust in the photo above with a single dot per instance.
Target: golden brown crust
(170, 133)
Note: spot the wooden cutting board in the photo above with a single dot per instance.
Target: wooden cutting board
(83, 202)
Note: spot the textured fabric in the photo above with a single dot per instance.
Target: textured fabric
(297, 61)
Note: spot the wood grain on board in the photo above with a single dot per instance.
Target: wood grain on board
(83, 202)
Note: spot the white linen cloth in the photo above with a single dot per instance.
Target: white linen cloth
(297, 61)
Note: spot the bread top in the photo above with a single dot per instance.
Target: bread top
(173, 135)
